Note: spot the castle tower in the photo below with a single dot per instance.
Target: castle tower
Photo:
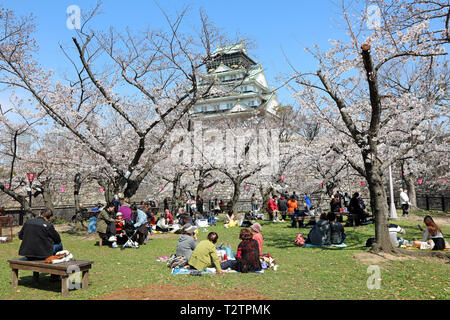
(240, 88)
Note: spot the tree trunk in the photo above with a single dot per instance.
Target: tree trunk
(47, 195)
(76, 192)
(265, 195)
(236, 195)
(380, 211)
(176, 192)
(411, 188)
(109, 192)
(22, 200)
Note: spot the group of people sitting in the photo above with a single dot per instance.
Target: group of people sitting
(295, 208)
(326, 231)
(432, 236)
(200, 255)
(129, 223)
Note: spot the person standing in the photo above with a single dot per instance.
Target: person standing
(254, 203)
(282, 207)
(39, 238)
(404, 201)
(347, 199)
(272, 207)
(199, 204)
(191, 206)
(308, 202)
(216, 209)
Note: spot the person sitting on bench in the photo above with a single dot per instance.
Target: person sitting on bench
(39, 238)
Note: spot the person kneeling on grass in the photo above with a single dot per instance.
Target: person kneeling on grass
(106, 226)
(205, 256)
(247, 257)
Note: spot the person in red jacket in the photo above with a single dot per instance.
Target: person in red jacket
(272, 207)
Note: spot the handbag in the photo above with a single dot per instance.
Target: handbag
(299, 240)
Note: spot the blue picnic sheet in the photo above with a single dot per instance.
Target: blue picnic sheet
(342, 245)
(208, 271)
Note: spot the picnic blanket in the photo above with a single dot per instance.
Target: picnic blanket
(208, 271)
(342, 245)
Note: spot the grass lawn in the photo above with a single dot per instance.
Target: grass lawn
(303, 273)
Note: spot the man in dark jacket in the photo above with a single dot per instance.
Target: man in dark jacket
(356, 209)
(282, 207)
(39, 238)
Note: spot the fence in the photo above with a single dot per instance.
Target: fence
(424, 202)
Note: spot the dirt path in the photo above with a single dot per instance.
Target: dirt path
(173, 292)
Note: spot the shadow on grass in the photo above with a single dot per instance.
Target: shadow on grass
(43, 284)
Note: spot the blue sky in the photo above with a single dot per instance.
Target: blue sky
(275, 26)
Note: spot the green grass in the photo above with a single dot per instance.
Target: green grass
(303, 273)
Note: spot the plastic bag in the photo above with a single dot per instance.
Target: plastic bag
(92, 227)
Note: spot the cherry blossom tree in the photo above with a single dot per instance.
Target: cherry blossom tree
(377, 121)
(126, 93)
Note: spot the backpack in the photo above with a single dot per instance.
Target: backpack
(177, 261)
(212, 221)
(299, 240)
(370, 242)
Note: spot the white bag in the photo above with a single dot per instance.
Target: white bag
(201, 223)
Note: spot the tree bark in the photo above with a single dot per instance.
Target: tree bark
(380, 210)
(76, 192)
(47, 195)
(236, 194)
(411, 188)
(265, 195)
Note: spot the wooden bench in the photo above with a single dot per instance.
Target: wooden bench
(63, 269)
(351, 218)
(301, 219)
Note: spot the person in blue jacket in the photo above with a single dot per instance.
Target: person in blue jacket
(140, 224)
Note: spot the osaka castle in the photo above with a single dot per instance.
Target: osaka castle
(240, 88)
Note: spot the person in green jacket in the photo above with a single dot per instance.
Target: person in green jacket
(205, 256)
(105, 224)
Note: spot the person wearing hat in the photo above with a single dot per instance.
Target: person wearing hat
(256, 235)
(187, 241)
(120, 229)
